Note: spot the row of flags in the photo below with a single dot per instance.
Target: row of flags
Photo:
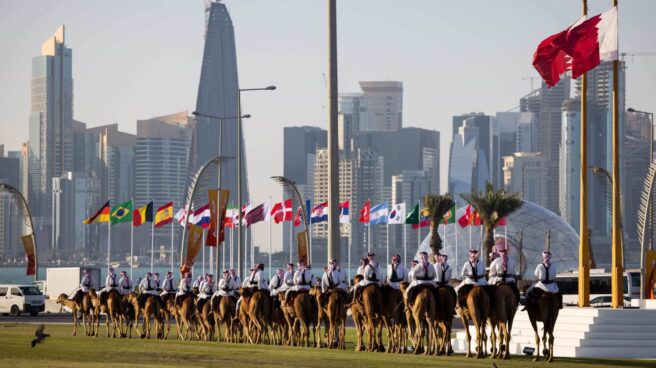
(124, 213)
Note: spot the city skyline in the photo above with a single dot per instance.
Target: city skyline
(294, 103)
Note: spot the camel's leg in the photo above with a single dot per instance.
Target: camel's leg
(75, 323)
(493, 340)
(537, 341)
(467, 335)
(551, 346)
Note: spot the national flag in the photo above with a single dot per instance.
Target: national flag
(181, 216)
(365, 212)
(413, 216)
(102, 215)
(397, 214)
(319, 213)
(450, 216)
(282, 211)
(378, 214)
(164, 215)
(476, 218)
(344, 217)
(257, 214)
(502, 222)
(579, 48)
(298, 218)
(463, 221)
(424, 219)
(30, 253)
(121, 213)
(245, 208)
(230, 218)
(201, 217)
(142, 215)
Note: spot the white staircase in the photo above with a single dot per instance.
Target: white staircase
(588, 332)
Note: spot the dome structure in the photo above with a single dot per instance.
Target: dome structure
(528, 232)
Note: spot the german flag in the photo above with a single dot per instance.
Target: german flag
(122, 212)
(101, 216)
(142, 215)
(164, 215)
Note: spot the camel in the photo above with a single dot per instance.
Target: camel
(372, 305)
(301, 317)
(84, 309)
(254, 314)
(126, 316)
(279, 328)
(477, 310)
(444, 318)
(150, 308)
(168, 312)
(332, 310)
(319, 311)
(110, 305)
(545, 309)
(502, 314)
(185, 307)
(224, 312)
(394, 320)
(205, 319)
(357, 313)
(423, 313)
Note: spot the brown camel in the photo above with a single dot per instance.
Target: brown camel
(74, 307)
(545, 309)
(302, 317)
(126, 316)
(279, 328)
(256, 316)
(110, 305)
(205, 319)
(444, 318)
(394, 320)
(372, 306)
(150, 308)
(502, 314)
(334, 311)
(185, 307)
(476, 310)
(320, 315)
(224, 312)
(423, 313)
(410, 321)
(168, 312)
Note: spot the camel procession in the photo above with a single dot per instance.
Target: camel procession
(416, 307)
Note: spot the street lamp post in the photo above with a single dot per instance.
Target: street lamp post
(241, 259)
(604, 173)
(649, 210)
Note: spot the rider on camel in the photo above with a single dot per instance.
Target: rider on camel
(395, 273)
(125, 285)
(443, 273)
(473, 273)
(147, 287)
(370, 271)
(501, 270)
(546, 274)
(185, 287)
(303, 281)
(168, 288)
(334, 279)
(85, 284)
(205, 291)
(423, 274)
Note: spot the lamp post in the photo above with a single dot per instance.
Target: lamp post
(649, 210)
(241, 259)
(605, 174)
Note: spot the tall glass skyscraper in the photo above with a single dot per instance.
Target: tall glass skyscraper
(51, 116)
(217, 96)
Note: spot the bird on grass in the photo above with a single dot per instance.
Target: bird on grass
(40, 336)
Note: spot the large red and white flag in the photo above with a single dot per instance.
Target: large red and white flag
(282, 211)
(579, 48)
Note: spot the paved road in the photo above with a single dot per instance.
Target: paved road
(66, 318)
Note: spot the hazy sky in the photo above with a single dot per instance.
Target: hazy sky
(138, 59)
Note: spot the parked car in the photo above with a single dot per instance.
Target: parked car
(605, 301)
(17, 299)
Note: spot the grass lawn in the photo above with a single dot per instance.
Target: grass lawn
(64, 350)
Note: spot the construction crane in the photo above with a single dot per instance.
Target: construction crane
(634, 54)
(532, 79)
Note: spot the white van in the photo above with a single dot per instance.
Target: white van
(17, 299)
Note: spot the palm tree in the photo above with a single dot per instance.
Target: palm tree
(492, 206)
(438, 205)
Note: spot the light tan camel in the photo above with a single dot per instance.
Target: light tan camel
(110, 305)
(476, 310)
(544, 309)
(502, 314)
(150, 309)
(205, 319)
(445, 312)
(372, 306)
(423, 312)
(86, 317)
(224, 313)
(185, 308)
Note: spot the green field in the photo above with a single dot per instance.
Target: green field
(63, 350)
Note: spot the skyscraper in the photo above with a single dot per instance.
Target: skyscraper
(51, 114)
(524, 173)
(9, 226)
(570, 163)
(468, 168)
(488, 142)
(217, 96)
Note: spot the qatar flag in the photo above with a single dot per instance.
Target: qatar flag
(579, 48)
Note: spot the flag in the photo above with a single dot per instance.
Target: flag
(344, 217)
(397, 214)
(121, 213)
(308, 210)
(201, 217)
(218, 203)
(257, 214)
(463, 221)
(142, 215)
(502, 222)
(424, 219)
(298, 218)
(164, 215)
(476, 218)
(30, 253)
(579, 48)
(102, 215)
(378, 214)
(230, 217)
(413, 216)
(245, 208)
(450, 217)
(319, 213)
(193, 246)
(181, 216)
(365, 212)
(282, 211)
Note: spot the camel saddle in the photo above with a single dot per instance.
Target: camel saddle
(463, 292)
(291, 295)
(537, 293)
(412, 294)
(324, 296)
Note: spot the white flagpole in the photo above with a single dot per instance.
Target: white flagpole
(232, 246)
(152, 243)
(470, 235)
(131, 241)
(210, 266)
(172, 224)
(387, 236)
(480, 239)
(109, 239)
(456, 251)
(350, 241)
(223, 258)
(368, 237)
(202, 244)
(291, 241)
(250, 245)
(270, 221)
(405, 241)
(310, 245)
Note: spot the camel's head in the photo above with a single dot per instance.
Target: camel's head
(403, 285)
(61, 298)
(92, 293)
(357, 279)
(132, 297)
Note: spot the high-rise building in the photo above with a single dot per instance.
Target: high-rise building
(384, 106)
(409, 187)
(468, 168)
(10, 224)
(523, 173)
(217, 97)
(570, 163)
(51, 114)
(488, 141)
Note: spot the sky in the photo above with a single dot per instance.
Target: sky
(139, 59)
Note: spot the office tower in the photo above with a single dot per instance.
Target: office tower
(409, 187)
(570, 163)
(10, 222)
(384, 104)
(468, 168)
(217, 97)
(488, 141)
(516, 133)
(523, 173)
(51, 113)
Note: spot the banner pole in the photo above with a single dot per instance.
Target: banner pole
(270, 221)
(152, 244)
(131, 243)
(291, 241)
(203, 247)
(405, 242)
(109, 240)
